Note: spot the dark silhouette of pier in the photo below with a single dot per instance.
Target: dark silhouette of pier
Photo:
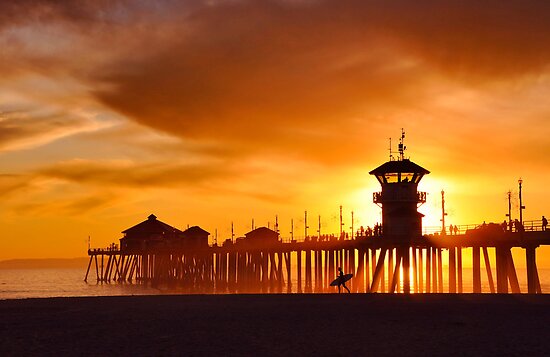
(378, 265)
(397, 256)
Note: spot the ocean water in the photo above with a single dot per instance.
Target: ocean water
(43, 283)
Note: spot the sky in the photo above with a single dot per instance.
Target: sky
(211, 112)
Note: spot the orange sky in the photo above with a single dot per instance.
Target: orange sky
(207, 112)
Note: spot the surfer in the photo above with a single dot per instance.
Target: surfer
(342, 280)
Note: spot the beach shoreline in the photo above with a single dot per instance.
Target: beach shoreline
(295, 324)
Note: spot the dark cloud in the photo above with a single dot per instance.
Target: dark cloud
(293, 79)
(23, 12)
(297, 78)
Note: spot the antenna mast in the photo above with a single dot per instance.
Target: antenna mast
(402, 147)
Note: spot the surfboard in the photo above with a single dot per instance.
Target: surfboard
(341, 279)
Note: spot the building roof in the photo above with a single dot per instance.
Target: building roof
(261, 232)
(152, 226)
(404, 165)
(195, 230)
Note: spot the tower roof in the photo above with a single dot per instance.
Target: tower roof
(404, 165)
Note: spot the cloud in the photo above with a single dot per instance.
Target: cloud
(300, 80)
(79, 186)
(132, 175)
(28, 129)
(311, 81)
(68, 206)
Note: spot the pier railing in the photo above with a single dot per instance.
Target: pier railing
(528, 226)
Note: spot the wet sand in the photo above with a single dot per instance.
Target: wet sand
(259, 325)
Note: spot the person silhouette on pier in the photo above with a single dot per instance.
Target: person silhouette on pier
(544, 223)
(342, 282)
(519, 226)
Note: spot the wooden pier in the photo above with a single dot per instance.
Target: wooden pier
(394, 257)
(310, 265)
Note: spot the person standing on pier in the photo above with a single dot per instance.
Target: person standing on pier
(544, 223)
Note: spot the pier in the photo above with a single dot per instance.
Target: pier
(377, 265)
(398, 256)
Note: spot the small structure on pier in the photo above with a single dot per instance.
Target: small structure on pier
(150, 233)
(399, 197)
(194, 237)
(261, 236)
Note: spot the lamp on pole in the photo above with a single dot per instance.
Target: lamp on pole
(305, 225)
(443, 214)
(509, 214)
(521, 206)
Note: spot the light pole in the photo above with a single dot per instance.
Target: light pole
(521, 206)
(305, 225)
(509, 215)
(341, 223)
(319, 228)
(351, 224)
(443, 214)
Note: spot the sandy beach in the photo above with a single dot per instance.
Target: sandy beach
(354, 324)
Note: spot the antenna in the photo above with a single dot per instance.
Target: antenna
(402, 147)
(319, 229)
(391, 156)
(232, 233)
(216, 237)
(292, 228)
(277, 223)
